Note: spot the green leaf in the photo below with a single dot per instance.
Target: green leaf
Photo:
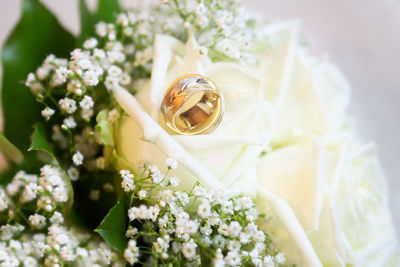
(87, 23)
(104, 129)
(37, 34)
(93, 212)
(9, 150)
(107, 10)
(29, 164)
(75, 219)
(39, 140)
(40, 143)
(113, 227)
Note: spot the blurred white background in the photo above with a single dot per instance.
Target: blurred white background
(361, 36)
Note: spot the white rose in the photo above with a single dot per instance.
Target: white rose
(331, 195)
(265, 105)
(288, 104)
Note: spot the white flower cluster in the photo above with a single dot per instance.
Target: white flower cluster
(49, 190)
(202, 226)
(57, 246)
(120, 55)
(223, 28)
(4, 200)
(76, 105)
(34, 233)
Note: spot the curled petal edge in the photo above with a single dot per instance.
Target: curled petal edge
(153, 133)
(293, 226)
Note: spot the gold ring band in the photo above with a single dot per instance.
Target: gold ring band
(192, 105)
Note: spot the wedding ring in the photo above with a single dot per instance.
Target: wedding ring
(192, 105)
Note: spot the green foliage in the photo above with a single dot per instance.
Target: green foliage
(9, 151)
(87, 22)
(29, 164)
(107, 11)
(39, 140)
(113, 227)
(92, 212)
(37, 34)
(40, 143)
(104, 129)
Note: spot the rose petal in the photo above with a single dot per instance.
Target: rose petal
(289, 234)
(153, 133)
(164, 48)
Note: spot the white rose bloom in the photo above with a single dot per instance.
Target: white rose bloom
(325, 191)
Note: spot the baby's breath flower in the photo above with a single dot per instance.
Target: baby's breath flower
(259, 236)
(30, 79)
(126, 174)
(90, 78)
(45, 203)
(73, 173)
(132, 214)
(86, 114)
(131, 232)
(77, 158)
(233, 245)
(280, 258)
(67, 254)
(101, 29)
(82, 252)
(189, 249)
(69, 123)
(161, 245)
(142, 193)
(3, 200)
(233, 258)
(127, 180)
(182, 197)
(173, 181)
(60, 194)
(86, 103)
(90, 43)
(206, 230)
(171, 163)
(67, 105)
(114, 71)
(57, 218)
(47, 113)
(143, 57)
(42, 72)
(115, 57)
(99, 54)
(37, 221)
(60, 76)
(204, 210)
(234, 229)
(219, 259)
(37, 89)
(268, 261)
(131, 253)
(30, 192)
(156, 175)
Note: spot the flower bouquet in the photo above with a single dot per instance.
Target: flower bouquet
(182, 133)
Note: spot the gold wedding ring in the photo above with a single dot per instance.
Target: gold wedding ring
(192, 105)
